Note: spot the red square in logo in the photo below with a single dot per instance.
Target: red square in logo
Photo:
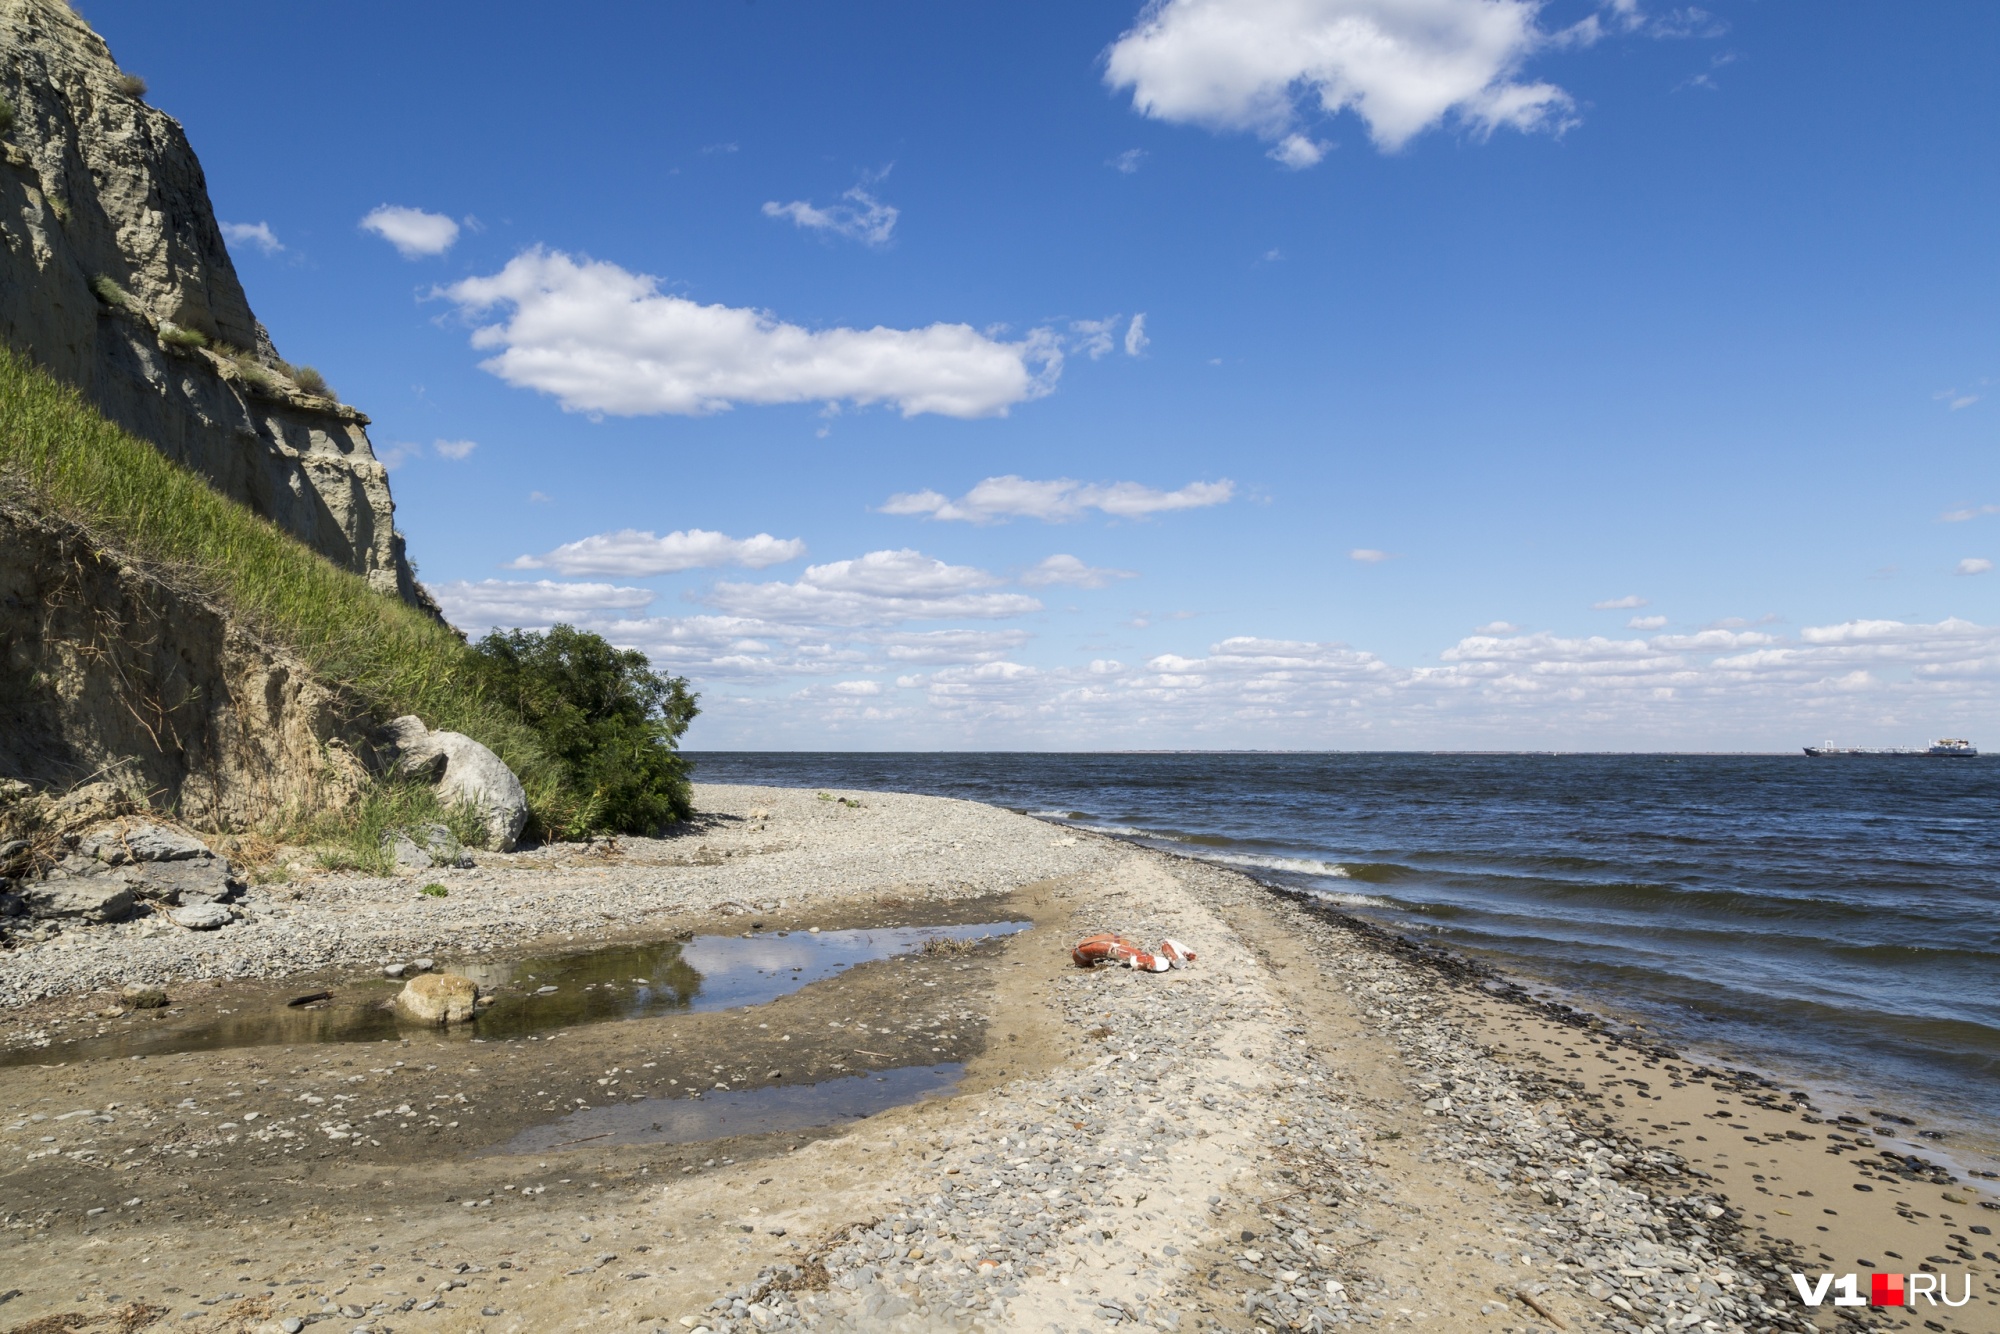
(1885, 1290)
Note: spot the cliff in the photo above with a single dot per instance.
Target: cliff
(114, 277)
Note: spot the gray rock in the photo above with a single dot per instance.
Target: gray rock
(159, 843)
(394, 969)
(200, 916)
(144, 998)
(92, 898)
(427, 846)
(406, 850)
(422, 965)
(472, 774)
(206, 879)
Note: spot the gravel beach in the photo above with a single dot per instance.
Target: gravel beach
(1315, 1126)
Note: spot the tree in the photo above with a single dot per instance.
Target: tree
(605, 715)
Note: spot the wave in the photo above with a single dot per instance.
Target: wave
(1296, 865)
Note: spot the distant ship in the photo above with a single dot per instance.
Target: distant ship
(1949, 747)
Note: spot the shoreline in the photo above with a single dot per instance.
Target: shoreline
(1317, 1122)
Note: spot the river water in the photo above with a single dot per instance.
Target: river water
(1833, 919)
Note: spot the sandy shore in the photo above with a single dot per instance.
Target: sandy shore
(1316, 1126)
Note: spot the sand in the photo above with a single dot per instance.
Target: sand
(1317, 1125)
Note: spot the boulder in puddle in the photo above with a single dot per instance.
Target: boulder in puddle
(438, 998)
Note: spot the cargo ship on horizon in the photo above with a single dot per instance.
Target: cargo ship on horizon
(1950, 747)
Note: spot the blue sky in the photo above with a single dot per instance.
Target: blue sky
(1584, 375)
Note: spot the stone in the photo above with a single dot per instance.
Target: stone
(406, 851)
(394, 969)
(91, 898)
(200, 916)
(472, 774)
(438, 998)
(144, 998)
(422, 965)
(427, 846)
(206, 879)
(159, 843)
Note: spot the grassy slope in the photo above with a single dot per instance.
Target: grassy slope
(66, 459)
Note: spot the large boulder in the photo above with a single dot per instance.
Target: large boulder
(439, 998)
(95, 898)
(470, 773)
(202, 880)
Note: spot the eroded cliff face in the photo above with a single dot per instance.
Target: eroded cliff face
(96, 185)
(107, 670)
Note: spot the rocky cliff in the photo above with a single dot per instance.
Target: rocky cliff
(114, 277)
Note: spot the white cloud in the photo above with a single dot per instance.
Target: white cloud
(540, 498)
(951, 646)
(1403, 66)
(1498, 628)
(1128, 161)
(881, 588)
(1368, 555)
(1135, 335)
(999, 498)
(1094, 337)
(455, 450)
(1298, 152)
(859, 216)
(258, 234)
(602, 339)
(480, 604)
(1974, 565)
(412, 231)
(858, 687)
(1626, 603)
(1646, 622)
(1969, 512)
(636, 554)
(1065, 569)
(1955, 399)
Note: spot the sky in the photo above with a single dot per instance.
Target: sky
(1302, 374)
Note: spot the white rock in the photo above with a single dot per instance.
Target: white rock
(200, 916)
(471, 774)
(438, 998)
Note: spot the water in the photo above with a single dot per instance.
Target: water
(1837, 918)
(738, 1111)
(536, 995)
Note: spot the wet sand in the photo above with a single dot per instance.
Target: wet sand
(1317, 1125)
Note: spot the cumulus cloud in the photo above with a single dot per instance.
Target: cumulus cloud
(258, 234)
(1368, 555)
(1094, 337)
(1646, 622)
(1626, 603)
(1135, 335)
(413, 232)
(879, 589)
(1974, 565)
(1402, 66)
(1000, 498)
(455, 450)
(1069, 570)
(602, 339)
(1298, 152)
(859, 216)
(481, 604)
(636, 554)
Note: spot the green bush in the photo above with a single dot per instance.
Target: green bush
(311, 381)
(604, 715)
(131, 85)
(174, 336)
(107, 290)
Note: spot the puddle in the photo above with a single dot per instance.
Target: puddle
(738, 1111)
(538, 994)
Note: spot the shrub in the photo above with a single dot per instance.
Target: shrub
(60, 207)
(6, 114)
(107, 290)
(131, 85)
(310, 380)
(436, 891)
(604, 715)
(174, 336)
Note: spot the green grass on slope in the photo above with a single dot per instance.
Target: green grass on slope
(63, 457)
